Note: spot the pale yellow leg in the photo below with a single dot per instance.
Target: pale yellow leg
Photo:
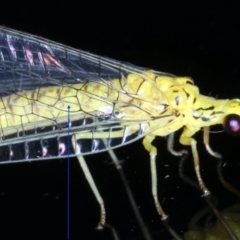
(147, 142)
(186, 139)
(193, 143)
(82, 162)
(170, 142)
(92, 184)
(206, 192)
(219, 168)
(206, 143)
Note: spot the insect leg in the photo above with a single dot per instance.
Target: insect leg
(193, 143)
(147, 142)
(170, 142)
(206, 192)
(129, 193)
(206, 143)
(219, 167)
(186, 139)
(183, 153)
(92, 184)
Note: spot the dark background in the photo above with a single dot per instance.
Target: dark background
(186, 38)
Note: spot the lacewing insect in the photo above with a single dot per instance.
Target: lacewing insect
(111, 104)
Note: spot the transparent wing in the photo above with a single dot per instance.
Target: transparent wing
(28, 62)
(39, 79)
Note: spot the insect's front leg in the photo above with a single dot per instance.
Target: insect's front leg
(226, 184)
(206, 143)
(186, 139)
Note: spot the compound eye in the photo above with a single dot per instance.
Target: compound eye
(231, 124)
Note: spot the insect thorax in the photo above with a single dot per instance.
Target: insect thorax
(180, 92)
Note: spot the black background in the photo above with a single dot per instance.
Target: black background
(186, 38)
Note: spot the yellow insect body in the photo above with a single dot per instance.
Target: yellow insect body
(165, 103)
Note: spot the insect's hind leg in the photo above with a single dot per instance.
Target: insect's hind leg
(92, 184)
(132, 201)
